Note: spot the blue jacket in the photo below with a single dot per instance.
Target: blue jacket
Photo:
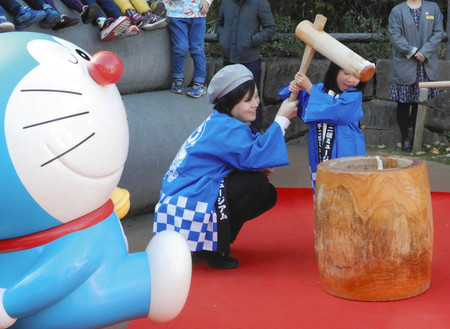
(242, 26)
(191, 185)
(405, 39)
(343, 111)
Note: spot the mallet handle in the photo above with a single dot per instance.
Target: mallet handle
(308, 53)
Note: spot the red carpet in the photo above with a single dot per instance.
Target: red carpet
(277, 284)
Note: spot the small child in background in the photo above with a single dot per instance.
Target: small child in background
(333, 110)
(112, 25)
(5, 24)
(187, 30)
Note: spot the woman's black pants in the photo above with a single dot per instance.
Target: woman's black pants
(248, 194)
(406, 119)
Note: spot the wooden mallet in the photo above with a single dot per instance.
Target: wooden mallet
(341, 55)
(308, 53)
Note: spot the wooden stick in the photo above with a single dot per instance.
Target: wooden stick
(308, 54)
(434, 84)
(420, 120)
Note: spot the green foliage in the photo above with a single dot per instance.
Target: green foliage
(336, 10)
(343, 16)
(283, 47)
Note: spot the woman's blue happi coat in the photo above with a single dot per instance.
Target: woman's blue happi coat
(190, 187)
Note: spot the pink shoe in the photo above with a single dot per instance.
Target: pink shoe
(114, 27)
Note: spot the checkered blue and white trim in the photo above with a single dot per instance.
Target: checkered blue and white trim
(196, 221)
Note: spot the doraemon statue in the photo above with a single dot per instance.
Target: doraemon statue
(64, 260)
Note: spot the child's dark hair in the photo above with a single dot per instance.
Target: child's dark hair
(226, 103)
(330, 82)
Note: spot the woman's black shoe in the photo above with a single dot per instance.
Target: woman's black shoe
(218, 260)
(222, 261)
(406, 145)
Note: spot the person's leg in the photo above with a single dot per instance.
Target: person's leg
(124, 5)
(88, 9)
(110, 27)
(24, 16)
(5, 24)
(413, 116)
(403, 124)
(112, 11)
(66, 21)
(157, 7)
(141, 6)
(196, 48)
(11, 6)
(74, 4)
(100, 16)
(53, 16)
(250, 194)
(196, 35)
(179, 36)
(109, 7)
(128, 10)
(256, 68)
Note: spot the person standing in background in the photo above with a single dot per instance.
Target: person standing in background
(415, 31)
(242, 27)
(187, 30)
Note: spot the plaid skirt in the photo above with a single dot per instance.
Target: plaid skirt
(410, 93)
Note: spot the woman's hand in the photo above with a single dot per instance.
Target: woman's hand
(269, 172)
(420, 57)
(288, 109)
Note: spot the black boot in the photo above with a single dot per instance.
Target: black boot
(218, 260)
(406, 144)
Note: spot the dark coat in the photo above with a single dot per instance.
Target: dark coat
(406, 39)
(242, 26)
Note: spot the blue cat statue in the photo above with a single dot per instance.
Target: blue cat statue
(64, 260)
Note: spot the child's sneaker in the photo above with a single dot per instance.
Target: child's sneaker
(131, 31)
(135, 18)
(52, 17)
(177, 86)
(27, 17)
(196, 90)
(157, 7)
(89, 12)
(114, 27)
(5, 25)
(66, 21)
(154, 22)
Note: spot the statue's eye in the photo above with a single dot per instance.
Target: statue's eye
(83, 55)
